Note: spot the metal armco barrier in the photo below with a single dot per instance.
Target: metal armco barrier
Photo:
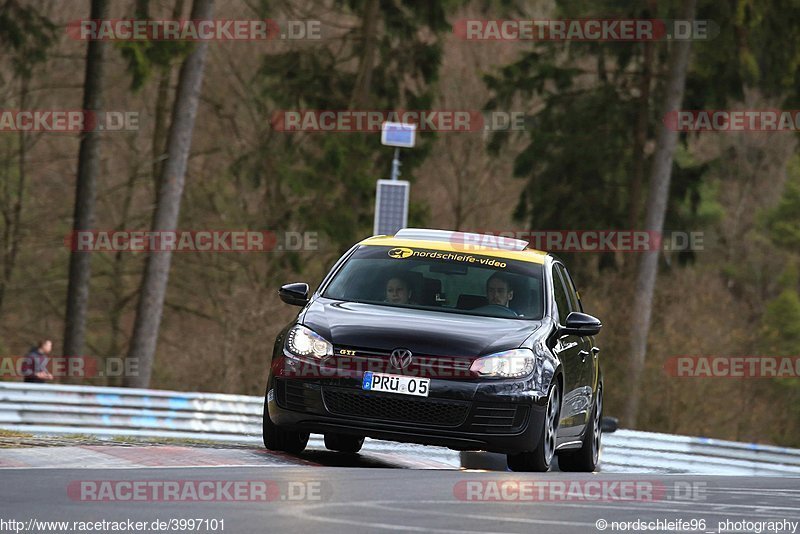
(60, 409)
(105, 411)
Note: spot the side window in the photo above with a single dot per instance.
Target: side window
(572, 293)
(560, 295)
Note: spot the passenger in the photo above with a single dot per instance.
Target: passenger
(398, 290)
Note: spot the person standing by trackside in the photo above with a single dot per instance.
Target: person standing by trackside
(34, 365)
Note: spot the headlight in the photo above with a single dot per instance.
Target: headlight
(514, 363)
(304, 342)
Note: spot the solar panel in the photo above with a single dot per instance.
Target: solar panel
(391, 206)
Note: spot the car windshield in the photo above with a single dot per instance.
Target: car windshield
(453, 282)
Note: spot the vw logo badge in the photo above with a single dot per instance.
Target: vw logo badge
(400, 358)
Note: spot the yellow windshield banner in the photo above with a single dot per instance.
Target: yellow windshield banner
(404, 248)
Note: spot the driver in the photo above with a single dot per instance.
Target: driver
(498, 290)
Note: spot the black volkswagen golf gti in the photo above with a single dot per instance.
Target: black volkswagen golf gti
(441, 338)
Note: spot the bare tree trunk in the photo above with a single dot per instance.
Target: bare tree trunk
(369, 44)
(156, 275)
(80, 268)
(12, 213)
(654, 220)
(162, 105)
(160, 127)
(640, 132)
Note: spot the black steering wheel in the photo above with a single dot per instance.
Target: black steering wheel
(494, 308)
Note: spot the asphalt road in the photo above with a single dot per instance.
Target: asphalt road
(326, 492)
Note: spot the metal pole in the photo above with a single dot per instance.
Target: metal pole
(396, 164)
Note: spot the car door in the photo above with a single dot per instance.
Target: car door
(568, 347)
(587, 354)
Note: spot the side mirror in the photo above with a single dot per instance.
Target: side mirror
(295, 294)
(581, 324)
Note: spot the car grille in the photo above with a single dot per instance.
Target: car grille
(294, 398)
(498, 419)
(372, 406)
(297, 396)
(377, 360)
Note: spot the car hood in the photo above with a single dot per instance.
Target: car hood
(384, 328)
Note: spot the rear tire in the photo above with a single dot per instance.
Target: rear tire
(279, 439)
(587, 458)
(541, 457)
(343, 443)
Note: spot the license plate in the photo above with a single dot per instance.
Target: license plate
(406, 385)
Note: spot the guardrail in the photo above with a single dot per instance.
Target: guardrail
(106, 411)
(61, 409)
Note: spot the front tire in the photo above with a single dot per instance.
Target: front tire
(541, 457)
(279, 439)
(587, 458)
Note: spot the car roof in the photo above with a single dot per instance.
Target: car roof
(460, 242)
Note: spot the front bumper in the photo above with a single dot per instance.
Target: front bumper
(502, 416)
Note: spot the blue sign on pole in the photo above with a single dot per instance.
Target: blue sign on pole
(398, 134)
